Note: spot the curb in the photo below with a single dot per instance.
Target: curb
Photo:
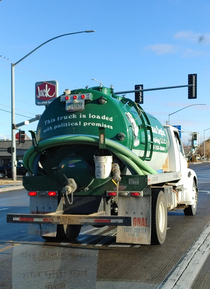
(11, 188)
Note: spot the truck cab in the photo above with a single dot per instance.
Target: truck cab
(176, 162)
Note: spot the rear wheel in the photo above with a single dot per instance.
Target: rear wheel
(72, 231)
(60, 235)
(159, 218)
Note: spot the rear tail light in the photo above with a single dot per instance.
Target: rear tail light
(125, 194)
(111, 194)
(32, 194)
(52, 194)
(43, 193)
(135, 194)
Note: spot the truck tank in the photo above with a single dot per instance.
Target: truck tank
(82, 133)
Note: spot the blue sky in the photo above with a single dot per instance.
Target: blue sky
(155, 43)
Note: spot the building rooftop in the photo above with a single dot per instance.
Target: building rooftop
(5, 144)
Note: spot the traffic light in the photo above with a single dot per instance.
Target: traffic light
(139, 94)
(21, 136)
(194, 136)
(192, 86)
(194, 139)
(9, 150)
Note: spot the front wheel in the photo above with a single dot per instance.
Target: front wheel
(191, 209)
(159, 218)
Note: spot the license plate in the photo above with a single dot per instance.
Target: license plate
(75, 106)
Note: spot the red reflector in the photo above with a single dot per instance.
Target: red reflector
(66, 97)
(102, 221)
(26, 219)
(135, 194)
(32, 194)
(83, 96)
(52, 194)
(75, 97)
(112, 194)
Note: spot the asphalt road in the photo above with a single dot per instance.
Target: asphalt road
(96, 261)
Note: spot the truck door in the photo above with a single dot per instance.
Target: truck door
(181, 160)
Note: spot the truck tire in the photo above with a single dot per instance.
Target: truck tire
(60, 236)
(191, 209)
(159, 218)
(72, 232)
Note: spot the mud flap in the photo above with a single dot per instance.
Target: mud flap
(139, 208)
(43, 205)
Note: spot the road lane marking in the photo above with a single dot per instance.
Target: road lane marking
(92, 229)
(3, 209)
(119, 246)
(8, 247)
(107, 236)
(185, 271)
(204, 191)
(88, 238)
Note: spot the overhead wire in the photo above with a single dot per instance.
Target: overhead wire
(15, 113)
(17, 109)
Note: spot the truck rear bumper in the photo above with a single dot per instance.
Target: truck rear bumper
(60, 219)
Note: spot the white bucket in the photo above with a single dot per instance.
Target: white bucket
(103, 166)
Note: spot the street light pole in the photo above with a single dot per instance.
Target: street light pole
(180, 110)
(13, 146)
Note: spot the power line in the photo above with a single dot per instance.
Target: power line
(15, 113)
(17, 100)
(17, 109)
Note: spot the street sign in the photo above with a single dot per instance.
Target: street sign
(46, 92)
(179, 130)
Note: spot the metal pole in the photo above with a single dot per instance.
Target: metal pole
(204, 147)
(13, 146)
(13, 149)
(66, 34)
(150, 89)
(180, 110)
(26, 122)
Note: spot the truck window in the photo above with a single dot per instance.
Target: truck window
(179, 143)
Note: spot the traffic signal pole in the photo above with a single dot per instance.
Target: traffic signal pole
(13, 146)
(192, 89)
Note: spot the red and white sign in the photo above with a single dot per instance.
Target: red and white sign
(46, 92)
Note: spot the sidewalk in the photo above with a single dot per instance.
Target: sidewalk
(10, 185)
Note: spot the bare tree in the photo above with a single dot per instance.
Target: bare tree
(200, 150)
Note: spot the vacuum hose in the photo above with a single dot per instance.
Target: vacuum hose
(122, 152)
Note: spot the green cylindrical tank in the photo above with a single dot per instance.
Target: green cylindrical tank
(68, 136)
